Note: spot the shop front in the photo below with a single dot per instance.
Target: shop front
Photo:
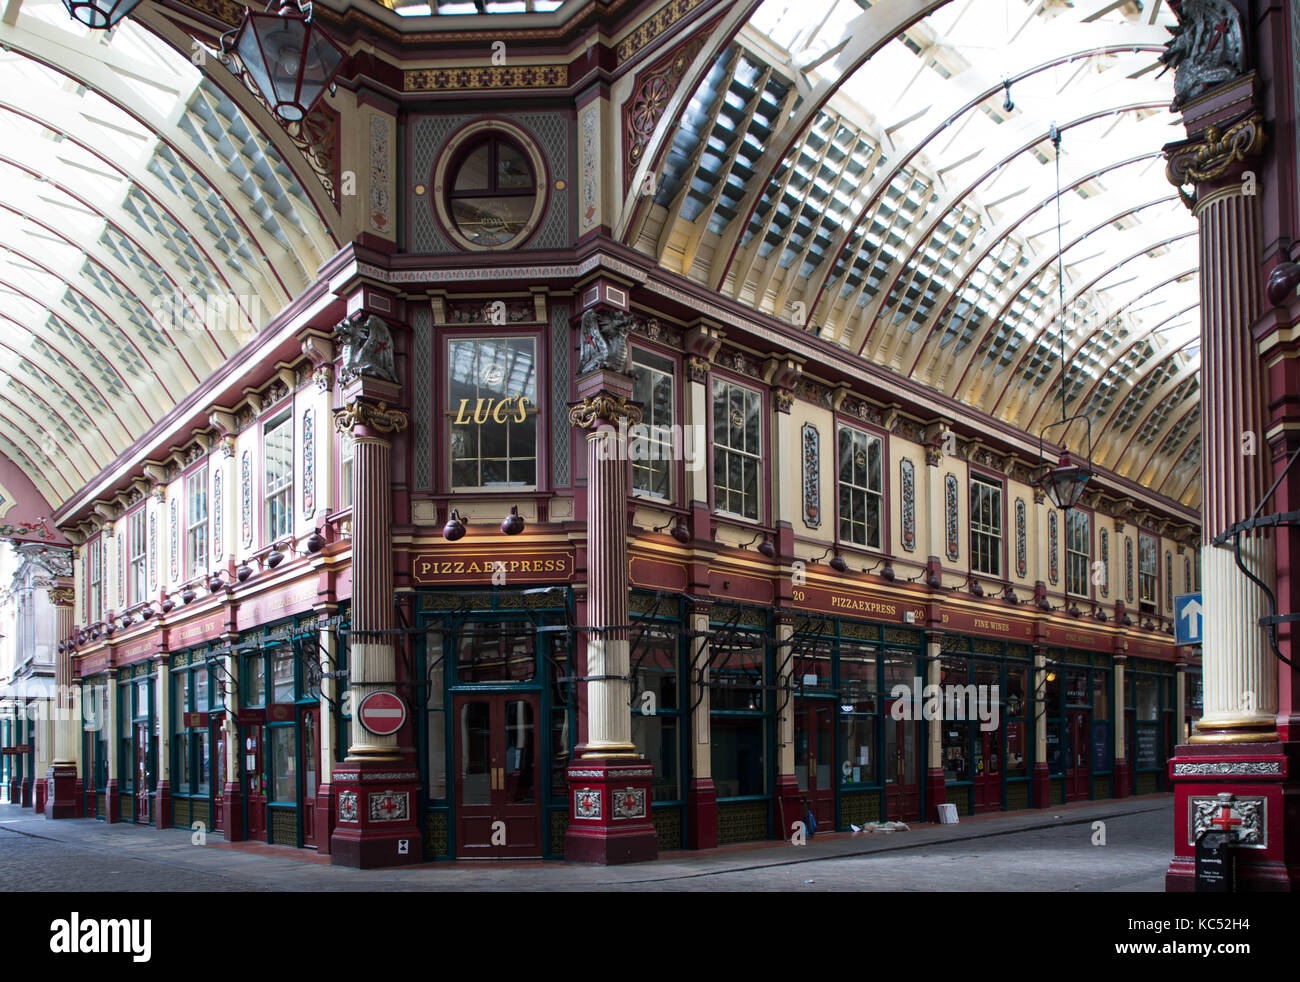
(497, 721)
(1080, 744)
(137, 742)
(1151, 714)
(198, 742)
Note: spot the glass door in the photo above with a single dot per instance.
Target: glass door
(254, 789)
(310, 772)
(498, 789)
(902, 788)
(814, 759)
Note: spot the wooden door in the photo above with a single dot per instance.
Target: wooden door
(814, 759)
(217, 739)
(902, 769)
(1077, 773)
(497, 776)
(310, 775)
(988, 770)
(255, 780)
(142, 776)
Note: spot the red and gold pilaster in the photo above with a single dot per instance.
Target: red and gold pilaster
(609, 781)
(1235, 747)
(377, 787)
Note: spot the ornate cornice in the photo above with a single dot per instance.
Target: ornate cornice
(595, 410)
(377, 416)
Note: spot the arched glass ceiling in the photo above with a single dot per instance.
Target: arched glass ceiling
(914, 217)
(147, 230)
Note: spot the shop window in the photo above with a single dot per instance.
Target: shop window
(737, 721)
(492, 412)
(1078, 551)
(1148, 572)
(812, 667)
(652, 465)
(94, 579)
(1016, 708)
(1146, 704)
(857, 708)
(252, 682)
(282, 665)
(137, 561)
(985, 526)
(496, 652)
(277, 478)
(196, 521)
(493, 192)
(437, 715)
(737, 449)
(956, 734)
(861, 486)
(347, 456)
(282, 747)
(658, 738)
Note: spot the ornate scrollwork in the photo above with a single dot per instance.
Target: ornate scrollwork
(377, 416)
(1214, 154)
(595, 410)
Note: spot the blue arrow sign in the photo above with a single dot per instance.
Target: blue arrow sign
(1188, 618)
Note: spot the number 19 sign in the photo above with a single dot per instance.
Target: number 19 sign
(382, 713)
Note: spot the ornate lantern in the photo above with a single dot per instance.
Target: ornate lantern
(1065, 482)
(99, 15)
(291, 61)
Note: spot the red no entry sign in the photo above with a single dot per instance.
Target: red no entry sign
(382, 713)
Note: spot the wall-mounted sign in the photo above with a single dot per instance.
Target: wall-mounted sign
(382, 713)
(854, 603)
(446, 566)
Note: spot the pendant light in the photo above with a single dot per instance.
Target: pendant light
(289, 60)
(99, 15)
(1063, 484)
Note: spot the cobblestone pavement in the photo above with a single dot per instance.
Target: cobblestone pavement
(1048, 850)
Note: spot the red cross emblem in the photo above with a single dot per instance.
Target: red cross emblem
(387, 806)
(1225, 821)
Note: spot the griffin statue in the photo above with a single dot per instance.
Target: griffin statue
(1206, 47)
(604, 340)
(367, 347)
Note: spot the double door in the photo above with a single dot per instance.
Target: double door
(498, 786)
(902, 769)
(814, 759)
(1077, 755)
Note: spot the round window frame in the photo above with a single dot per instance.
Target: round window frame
(454, 153)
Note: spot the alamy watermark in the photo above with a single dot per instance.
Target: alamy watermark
(947, 702)
(643, 441)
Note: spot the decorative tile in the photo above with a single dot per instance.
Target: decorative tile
(1169, 581)
(1128, 569)
(950, 515)
(175, 537)
(586, 804)
(153, 551)
(1104, 588)
(246, 498)
(379, 193)
(629, 803)
(812, 479)
(1053, 565)
(308, 463)
(421, 419)
(1022, 548)
(561, 432)
(909, 503)
(388, 806)
(218, 515)
(1245, 815)
(347, 806)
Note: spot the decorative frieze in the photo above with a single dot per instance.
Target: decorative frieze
(175, 537)
(1053, 564)
(1022, 548)
(218, 515)
(860, 409)
(950, 517)
(377, 416)
(246, 499)
(1128, 569)
(735, 360)
(814, 392)
(1104, 586)
(1169, 581)
(308, 463)
(652, 329)
(812, 493)
(153, 551)
(908, 474)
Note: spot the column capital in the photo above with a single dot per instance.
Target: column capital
(602, 408)
(378, 417)
(62, 596)
(1214, 158)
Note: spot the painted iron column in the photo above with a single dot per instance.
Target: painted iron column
(609, 783)
(61, 779)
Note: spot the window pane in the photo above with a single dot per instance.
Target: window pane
(284, 763)
(737, 756)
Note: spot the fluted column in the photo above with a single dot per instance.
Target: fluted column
(373, 657)
(1239, 669)
(609, 717)
(68, 723)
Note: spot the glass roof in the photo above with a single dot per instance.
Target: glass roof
(899, 182)
(147, 230)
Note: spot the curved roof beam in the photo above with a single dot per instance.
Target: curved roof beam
(866, 34)
(40, 476)
(138, 415)
(1061, 51)
(49, 441)
(134, 285)
(1031, 137)
(1152, 400)
(1029, 343)
(1131, 204)
(1170, 460)
(104, 69)
(1076, 346)
(39, 363)
(1192, 400)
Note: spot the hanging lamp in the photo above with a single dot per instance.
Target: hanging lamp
(289, 60)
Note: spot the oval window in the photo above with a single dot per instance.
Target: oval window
(492, 193)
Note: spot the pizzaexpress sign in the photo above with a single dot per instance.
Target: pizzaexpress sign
(446, 567)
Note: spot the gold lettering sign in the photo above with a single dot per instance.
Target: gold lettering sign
(498, 410)
(428, 568)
